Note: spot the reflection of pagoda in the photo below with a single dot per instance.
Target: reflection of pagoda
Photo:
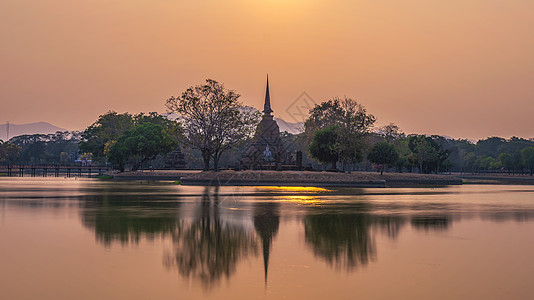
(266, 223)
(267, 149)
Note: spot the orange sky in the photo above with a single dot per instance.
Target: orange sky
(463, 68)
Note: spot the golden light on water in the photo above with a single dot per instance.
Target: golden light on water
(301, 200)
(300, 189)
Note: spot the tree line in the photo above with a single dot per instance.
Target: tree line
(213, 128)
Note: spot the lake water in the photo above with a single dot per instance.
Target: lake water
(90, 239)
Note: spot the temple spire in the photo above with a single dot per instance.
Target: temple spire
(267, 106)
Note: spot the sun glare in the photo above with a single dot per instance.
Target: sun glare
(299, 189)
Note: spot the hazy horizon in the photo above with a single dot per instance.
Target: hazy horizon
(463, 69)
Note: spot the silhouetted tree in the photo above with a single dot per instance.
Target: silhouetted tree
(383, 154)
(141, 143)
(323, 146)
(98, 138)
(390, 132)
(212, 120)
(352, 122)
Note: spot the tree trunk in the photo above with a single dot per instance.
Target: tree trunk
(216, 162)
(206, 157)
(334, 165)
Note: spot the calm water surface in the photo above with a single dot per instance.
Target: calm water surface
(90, 239)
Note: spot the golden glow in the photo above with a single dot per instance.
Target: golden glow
(300, 189)
(301, 200)
(425, 65)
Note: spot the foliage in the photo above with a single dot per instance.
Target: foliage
(428, 154)
(489, 146)
(212, 120)
(383, 154)
(141, 143)
(391, 132)
(352, 123)
(527, 154)
(506, 161)
(100, 136)
(323, 145)
(9, 151)
(56, 148)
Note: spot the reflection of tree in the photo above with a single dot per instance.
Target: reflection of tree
(391, 225)
(208, 249)
(266, 223)
(340, 239)
(427, 223)
(125, 217)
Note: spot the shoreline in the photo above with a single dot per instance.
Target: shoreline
(293, 178)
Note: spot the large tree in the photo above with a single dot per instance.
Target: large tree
(352, 123)
(383, 154)
(103, 134)
(212, 120)
(141, 143)
(428, 154)
(98, 138)
(323, 146)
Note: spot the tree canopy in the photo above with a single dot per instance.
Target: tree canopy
(383, 154)
(8, 151)
(323, 145)
(352, 123)
(98, 137)
(141, 143)
(211, 119)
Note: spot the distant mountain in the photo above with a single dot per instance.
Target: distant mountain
(290, 127)
(31, 128)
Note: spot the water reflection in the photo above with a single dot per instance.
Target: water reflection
(343, 240)
(126, 217)
(266, 223)
(431, 223)
(391, 225)
(202, 238)
(208, 249)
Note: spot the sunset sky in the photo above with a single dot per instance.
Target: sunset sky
(462, 68)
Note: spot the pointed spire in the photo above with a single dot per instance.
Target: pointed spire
(267, 106)
(266, 249)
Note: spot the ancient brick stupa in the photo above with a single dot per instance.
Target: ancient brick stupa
(267, 150)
